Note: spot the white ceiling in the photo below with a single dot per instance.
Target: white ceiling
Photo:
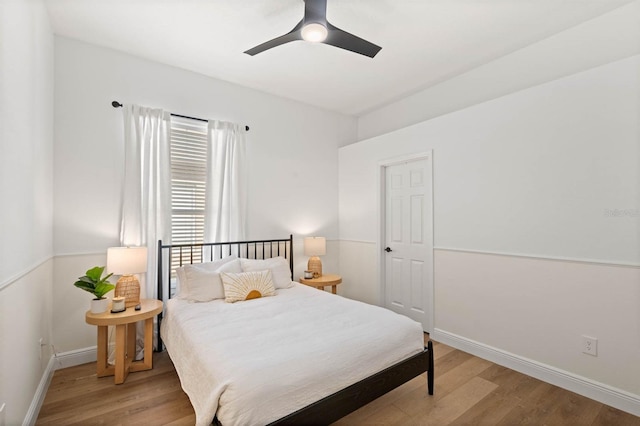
(423, 42)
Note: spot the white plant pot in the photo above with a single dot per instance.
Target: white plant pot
(99, 306)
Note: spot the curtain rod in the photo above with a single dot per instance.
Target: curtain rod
(117, 104)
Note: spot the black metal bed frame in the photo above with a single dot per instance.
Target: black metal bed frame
(328, 409)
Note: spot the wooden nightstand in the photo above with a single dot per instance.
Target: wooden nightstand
(125, 323)
(323, 281)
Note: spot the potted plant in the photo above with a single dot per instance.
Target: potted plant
(96, 284)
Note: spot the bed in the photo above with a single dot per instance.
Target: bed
(302, 356)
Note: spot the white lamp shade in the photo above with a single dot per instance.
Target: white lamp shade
(315, 246)
(126, 260)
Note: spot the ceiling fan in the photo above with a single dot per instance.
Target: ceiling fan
(314, 27)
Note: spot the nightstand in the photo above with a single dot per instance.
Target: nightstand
(324, 281)
(125, 323)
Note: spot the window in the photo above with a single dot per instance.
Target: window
(188, 181)
(190, 176)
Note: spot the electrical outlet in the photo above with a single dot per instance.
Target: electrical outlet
(590, 345)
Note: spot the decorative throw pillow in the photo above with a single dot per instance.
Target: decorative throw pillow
(279, 267)
(247, 285)
(202, 284)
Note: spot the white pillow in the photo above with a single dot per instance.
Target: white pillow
(279, 267)
(182, 281)
(247, 285)
(202, 284)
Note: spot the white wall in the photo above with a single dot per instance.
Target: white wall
(609, 37)
(26, 164)
(540, 172)
(26, 90)
(535, 178)
(539, 309)
(292, 155)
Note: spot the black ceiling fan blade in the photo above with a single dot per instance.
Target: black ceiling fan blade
(344, 40)
(292, 35)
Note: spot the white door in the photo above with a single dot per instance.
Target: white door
(408, 240)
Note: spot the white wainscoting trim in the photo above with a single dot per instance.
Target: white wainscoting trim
(24, 273)
(543, 257)
(41, 392)
(83, 253)
(601, 392)
(357, 241)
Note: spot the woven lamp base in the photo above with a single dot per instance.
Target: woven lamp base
(315, 265)
(128, 287)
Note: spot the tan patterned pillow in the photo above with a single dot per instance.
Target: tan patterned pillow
(247, 285)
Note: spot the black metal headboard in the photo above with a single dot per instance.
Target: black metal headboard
(173, 256)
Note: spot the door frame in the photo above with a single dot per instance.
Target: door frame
(380, 243)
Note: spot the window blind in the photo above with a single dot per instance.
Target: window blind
(188, 180)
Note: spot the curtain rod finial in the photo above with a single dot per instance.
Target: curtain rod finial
(116, 104)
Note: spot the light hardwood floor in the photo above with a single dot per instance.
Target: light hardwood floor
(468, 391)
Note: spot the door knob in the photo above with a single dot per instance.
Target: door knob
(388, 249)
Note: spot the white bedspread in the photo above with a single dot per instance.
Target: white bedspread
(253, 362)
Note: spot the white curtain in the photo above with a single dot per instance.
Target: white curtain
(226, 193)
(146, 204)
(146, 195)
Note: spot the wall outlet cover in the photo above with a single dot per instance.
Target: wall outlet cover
(590, 345)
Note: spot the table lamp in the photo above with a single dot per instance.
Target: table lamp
(314, 247)
(126, 261)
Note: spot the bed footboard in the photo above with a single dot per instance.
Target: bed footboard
(347, 400)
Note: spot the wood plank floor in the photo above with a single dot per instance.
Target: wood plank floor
(468, 391)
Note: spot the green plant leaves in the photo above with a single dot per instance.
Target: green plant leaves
(95, 273)
(102, 289)
(94, 283)
(84, 286)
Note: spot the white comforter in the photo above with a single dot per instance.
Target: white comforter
(253, 362)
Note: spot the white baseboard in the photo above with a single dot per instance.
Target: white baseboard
(41, 392)
(600, 392)
(76, 357)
